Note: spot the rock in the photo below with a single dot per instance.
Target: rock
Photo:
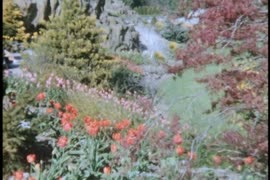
(111, 15)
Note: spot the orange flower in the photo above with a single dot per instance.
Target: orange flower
(41, 96)
(116, 136)
(31, 158)
(249, 160)
(107, 170)
(177, 139)
(180, 150)
(62, 141)
(113, 148)
(49, 110)
(192, 155)
(217, 160)
(18, 175)
(122, 124)
(161, 134)
(57, 105)
(31, 178)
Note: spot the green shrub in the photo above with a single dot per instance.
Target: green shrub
(124, 80)
(18, 96)
(135, 57)
(13, 25)
(147, 10)
(72, 42)
(134, 3)
(175, 33)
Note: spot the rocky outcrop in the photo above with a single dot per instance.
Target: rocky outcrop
(112, 15)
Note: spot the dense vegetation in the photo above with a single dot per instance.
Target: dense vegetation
(78, 107)
(72, 41)
(13, 25)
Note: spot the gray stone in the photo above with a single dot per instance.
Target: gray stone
(111, 16)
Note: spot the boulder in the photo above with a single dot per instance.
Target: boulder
(113, 16)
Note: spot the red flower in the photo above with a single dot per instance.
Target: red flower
(116, 136)
(66, 116)
(141, 128)
(177, 139)
(31, 158)
(57, 105)
(113, 148)
(180, 150)
(62, 141)
(130, 140)
(161, 134)
(67, 126)
(105, 123)
(122, 124)
(92, 130)
(18, 175)
(133, 132)
(87, 120)
(107, 170)
(71, 109)
(41, 96)
(249, 160)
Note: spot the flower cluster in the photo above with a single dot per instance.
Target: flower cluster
(93, 126)
(133, 136)
(67, 116)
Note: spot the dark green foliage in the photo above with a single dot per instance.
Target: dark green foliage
(175, 33)
(124, 80)
(72, 41)
(19, 95)
(13, 134)
(134, 3)
(147, 10)
(164, 4)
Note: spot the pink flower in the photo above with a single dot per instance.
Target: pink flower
(62, 141)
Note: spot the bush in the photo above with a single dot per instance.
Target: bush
(72, 41)
(13, 25)
(18, 96)
(135, 57)
(175, 33)
(147, 10)
(124, 80)
(134, 3)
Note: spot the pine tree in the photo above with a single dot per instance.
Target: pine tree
(13, 25)
(72, 41)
